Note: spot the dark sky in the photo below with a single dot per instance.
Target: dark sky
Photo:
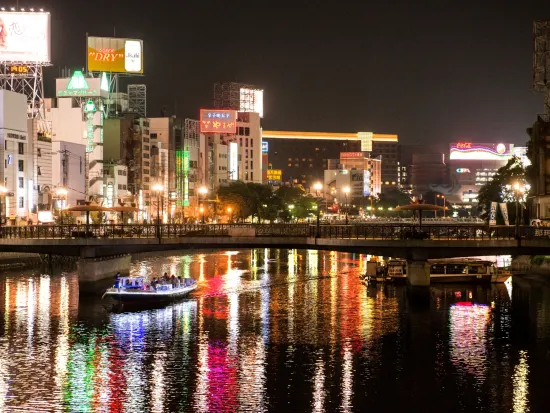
(431, 71)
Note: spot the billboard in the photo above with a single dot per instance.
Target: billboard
(481, 151)
(274, 174)
(24, 37)
(80, 86)
(265, 147)
(252, 100)
(218, 121)
(351, 155)
(116, 55)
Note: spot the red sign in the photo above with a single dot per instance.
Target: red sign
(464, 145)
(351, 155)
(218, 121)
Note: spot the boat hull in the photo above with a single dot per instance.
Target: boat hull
(149, 297)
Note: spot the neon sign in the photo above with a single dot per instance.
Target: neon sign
(464, 145)
(218, 121)
(351, 154)
(90, 111)
(463, 170)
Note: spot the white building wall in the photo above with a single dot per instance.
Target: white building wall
(16, 168)
(74, 178)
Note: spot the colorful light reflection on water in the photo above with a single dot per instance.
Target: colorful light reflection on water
(273, 330)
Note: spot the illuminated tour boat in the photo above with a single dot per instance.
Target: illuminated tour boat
(135, 290)
(453, 270)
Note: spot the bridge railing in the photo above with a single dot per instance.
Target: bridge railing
(147, 231)
(356, 231)
(408, 231)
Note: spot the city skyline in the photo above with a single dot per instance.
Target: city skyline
(426, 73)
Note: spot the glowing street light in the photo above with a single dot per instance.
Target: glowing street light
(318, 187)
(203, 190)
(158, 188)
(346, 192)
(230, 213)
(3, 192)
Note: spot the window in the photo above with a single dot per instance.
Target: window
(21, 150)
(120, 173)
(5, 163)
(246, 142)
(39, 152)
(246, 131)
(146, 171)
(240, 141)
(38, 170)
(153, 136)
(145, 147)
(145, 163)
(251, 176)
(21, 166)
(241, 130)
(5, 144)
(251, 164)
(21, 202)
(21, 183)
(251, 142)
(119, 186)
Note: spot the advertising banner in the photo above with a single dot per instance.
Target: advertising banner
(112, 54)
(24, 37)
(218, 121)
(493, 214)
(504, 212)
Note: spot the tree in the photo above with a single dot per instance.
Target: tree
(496, 191)
(392, 198)
(247, 199)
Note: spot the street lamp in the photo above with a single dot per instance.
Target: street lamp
(61, 194)
(346, 192)
(158, 188)
(519, 190)
(203, 190)
(318, 186)
(230, 213)
(444, 202)
(3, 192)
(290, 208)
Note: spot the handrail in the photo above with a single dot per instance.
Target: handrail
(392, 231)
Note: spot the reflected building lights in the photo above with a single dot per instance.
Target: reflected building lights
(468, 337)
(157, 382)
(521, 384)
(319, 386)
(347, 379)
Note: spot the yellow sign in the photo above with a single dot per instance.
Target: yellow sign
(274, 174)
(110, 54)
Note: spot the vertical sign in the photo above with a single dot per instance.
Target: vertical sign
(504, 212)
(90, 110)
(265, 147)
(185, 178)
(493, 214)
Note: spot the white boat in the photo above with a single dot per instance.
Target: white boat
(135, 290)
(453, 270)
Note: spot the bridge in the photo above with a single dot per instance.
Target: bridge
(98, 243)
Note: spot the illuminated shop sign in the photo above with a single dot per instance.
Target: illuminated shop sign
(463, 170)
(488, 151)
(218, 121)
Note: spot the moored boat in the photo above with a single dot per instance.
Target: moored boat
(135, 290)
(453, 270)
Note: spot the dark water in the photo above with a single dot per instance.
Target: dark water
(275, 330)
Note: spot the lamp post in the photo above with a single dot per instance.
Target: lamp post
(158, 188)
(519, 190)
(318, 186)
(3, 192)
(346, 192)
(444, 203)
(230, 213)
(203, 190)
(61, 194)
(290, 208)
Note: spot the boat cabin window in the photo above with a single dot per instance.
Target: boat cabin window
(476, 269)
(457, 269)
(437, 269)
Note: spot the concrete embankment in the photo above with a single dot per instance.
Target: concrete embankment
(535, 264)
(18, 259)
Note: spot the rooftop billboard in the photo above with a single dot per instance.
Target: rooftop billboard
(115, 55)
(24, 37)
(218, 121)
(252, 100)
(481, 151)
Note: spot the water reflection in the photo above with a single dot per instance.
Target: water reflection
(271, 330)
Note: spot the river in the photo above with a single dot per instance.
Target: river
(278, 331)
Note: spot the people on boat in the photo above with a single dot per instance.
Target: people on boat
(180, 281)
(165, 278)
(117, 280)
(173, 281)
(154, 283)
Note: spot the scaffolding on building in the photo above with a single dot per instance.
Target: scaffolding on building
(27, 79)
(137, 99)
(541, 60)
(238, 96)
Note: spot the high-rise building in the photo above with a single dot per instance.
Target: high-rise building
(316, 148)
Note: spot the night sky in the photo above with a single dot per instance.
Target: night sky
(431, 71)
